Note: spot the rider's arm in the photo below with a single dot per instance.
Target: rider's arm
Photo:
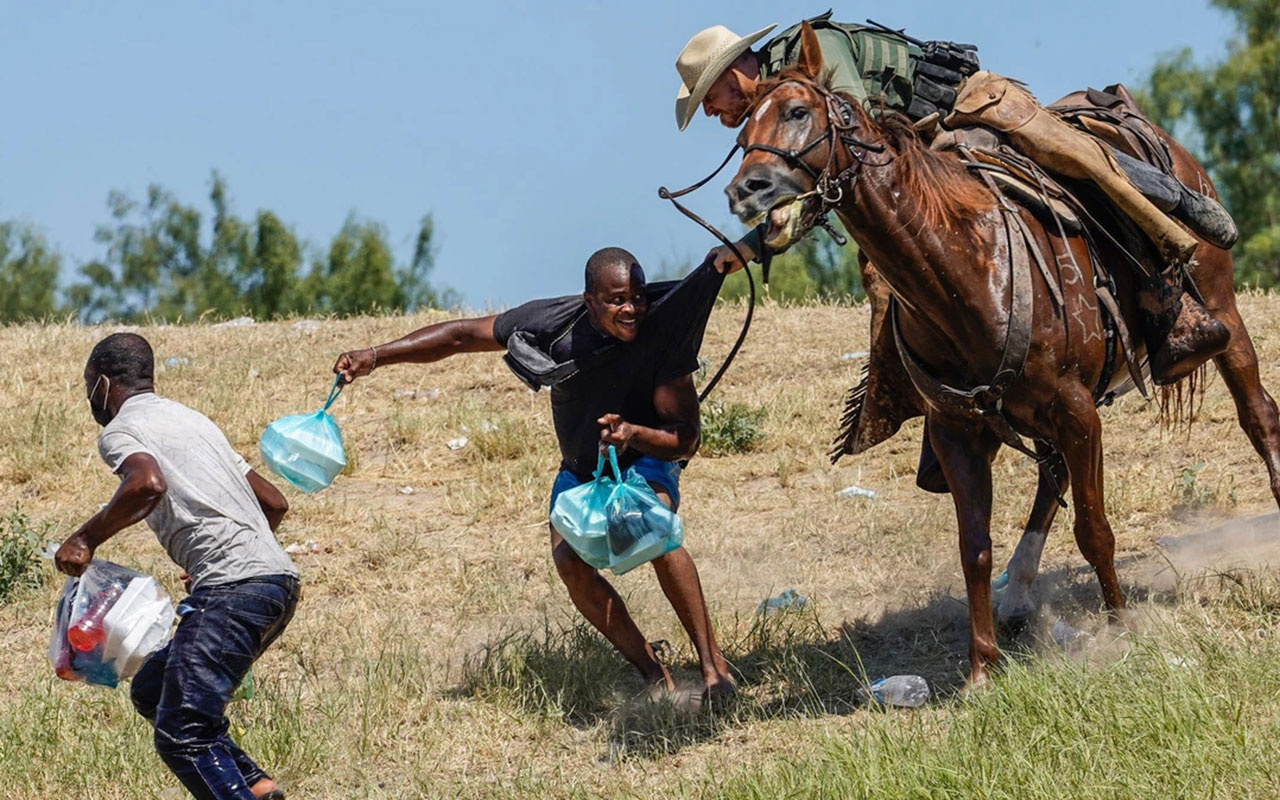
(750, 246)
(432, 343)
(678, 433)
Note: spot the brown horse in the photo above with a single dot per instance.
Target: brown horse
(946, 246)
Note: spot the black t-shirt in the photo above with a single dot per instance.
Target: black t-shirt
(618, 377)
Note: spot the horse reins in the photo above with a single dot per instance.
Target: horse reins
(829, 192)
(667, 194)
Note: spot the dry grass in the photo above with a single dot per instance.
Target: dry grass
(436, 654)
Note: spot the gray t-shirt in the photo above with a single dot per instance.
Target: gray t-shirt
(209, 520)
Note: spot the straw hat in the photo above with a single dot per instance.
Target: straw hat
(705, 58)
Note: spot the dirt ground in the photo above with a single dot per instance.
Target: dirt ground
(445, 551)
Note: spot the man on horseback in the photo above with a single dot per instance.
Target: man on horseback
(939, 87)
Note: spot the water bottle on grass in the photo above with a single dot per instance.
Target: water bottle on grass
(908, 691)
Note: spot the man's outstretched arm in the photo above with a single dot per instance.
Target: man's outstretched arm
(432, 343)
(141, 488)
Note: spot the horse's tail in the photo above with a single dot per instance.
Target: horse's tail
(1180, 403)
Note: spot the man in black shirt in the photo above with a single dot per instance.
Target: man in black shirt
(623, 377)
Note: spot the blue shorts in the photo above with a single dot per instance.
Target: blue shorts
(664, 473)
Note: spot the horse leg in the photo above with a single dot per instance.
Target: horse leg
(1080, 441)
(965, 452)
(1016, 605)
(1254, 406)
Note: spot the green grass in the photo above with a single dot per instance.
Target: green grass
(731, 428)
(435, 652)
(21, 544)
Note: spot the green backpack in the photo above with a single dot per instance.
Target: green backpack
(886, 61)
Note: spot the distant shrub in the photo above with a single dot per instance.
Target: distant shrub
(20, 546)
(732, 428)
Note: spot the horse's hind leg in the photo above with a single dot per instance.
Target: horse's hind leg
(1239, 364)
(1080, 441)
(1016, 605)
(1254, 406)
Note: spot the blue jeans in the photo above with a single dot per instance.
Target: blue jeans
(664, 473)
(183, 689)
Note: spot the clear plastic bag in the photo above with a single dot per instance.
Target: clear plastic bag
(580, 514)
(639, 526)
(306, 449)
(107, 622)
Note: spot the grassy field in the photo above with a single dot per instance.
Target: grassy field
(435, 654)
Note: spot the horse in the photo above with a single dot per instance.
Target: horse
(964, 298)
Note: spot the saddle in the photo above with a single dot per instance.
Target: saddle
(886, 395)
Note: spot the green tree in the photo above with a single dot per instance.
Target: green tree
(815, 268)
(358, 273)
(154, 263)
(28, 274)
(414, 279)
(269, 275)
(1229, 112)
(157, 264)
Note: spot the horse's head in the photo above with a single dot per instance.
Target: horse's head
(792, 153)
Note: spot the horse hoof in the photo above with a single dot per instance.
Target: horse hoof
(974, 685)
(1016, 622)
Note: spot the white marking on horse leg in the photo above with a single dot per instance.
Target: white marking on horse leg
(1023, 568)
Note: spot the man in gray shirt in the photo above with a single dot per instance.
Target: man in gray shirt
(216, 518)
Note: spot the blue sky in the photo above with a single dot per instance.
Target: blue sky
(534, 132)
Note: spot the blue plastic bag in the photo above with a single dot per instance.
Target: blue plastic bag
(639, 526)
(616, 525)
(580, 514)
(306, 449)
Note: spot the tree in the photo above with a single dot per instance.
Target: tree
(357, 275)
(418, 291)
(158, 265)
(1230, 113)
(815, 268)
(28, 274)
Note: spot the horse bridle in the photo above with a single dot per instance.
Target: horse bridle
(837, 109)
(829, 185)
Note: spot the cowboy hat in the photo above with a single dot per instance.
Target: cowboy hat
(705, 58)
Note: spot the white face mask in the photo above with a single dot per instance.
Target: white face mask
(93, 393)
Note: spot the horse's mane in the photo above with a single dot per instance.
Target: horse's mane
(949, 196)
(948, 193)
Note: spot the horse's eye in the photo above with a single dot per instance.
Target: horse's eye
(797, 113)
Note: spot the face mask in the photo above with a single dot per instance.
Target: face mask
(100, 414)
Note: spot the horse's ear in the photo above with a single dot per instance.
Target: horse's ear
(810, 61)
(747, 85)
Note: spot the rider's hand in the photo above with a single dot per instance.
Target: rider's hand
(74, 556)
(726, 262)
(355, 364)
(615, 431)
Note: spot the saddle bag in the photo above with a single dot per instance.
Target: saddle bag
(940, 69)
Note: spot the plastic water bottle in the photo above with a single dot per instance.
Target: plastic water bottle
(88, 632)
(909, 691)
